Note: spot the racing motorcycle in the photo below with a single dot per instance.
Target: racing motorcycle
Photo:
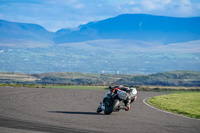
(113, 101)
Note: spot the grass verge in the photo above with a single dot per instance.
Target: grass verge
(186, 104)
(22, 85)
(167, 88)
(171, 89)
(56, 86)
(78, 87)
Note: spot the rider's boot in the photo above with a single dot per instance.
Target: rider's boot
(127, 104)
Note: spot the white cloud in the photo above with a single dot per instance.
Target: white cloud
(58, 2)
(175, 8)
(182, 8)
(166, 1)
(1, 15)
(185, 2)
(79, 6)
(131, 3)
(150, 5)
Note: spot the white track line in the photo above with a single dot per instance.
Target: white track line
(144, 101)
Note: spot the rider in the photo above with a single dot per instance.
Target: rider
(130, 98)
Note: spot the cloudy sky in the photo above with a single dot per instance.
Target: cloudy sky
(56, 14)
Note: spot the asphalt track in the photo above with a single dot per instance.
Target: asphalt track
(27, 110)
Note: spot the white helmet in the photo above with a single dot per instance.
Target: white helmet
(121, 86)
(133, 92)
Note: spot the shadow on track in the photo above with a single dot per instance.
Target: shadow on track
(70, 112)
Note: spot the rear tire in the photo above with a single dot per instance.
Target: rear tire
(109, 110)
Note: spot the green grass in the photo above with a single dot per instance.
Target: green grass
(56, 86)
(22, 85)
(78, 87)
(187, 104)
(167, 88)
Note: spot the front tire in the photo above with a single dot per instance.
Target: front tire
(110, 109)
(99, 109)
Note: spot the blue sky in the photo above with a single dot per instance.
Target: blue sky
(56, 14)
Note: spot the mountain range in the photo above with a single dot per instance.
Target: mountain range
(135, 27)
(163, 30)
(128, 43)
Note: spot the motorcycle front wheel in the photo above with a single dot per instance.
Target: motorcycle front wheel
(99, 109)
(111, 106)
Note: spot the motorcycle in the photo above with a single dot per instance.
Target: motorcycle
(113, 100)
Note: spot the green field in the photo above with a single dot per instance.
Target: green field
(78, 87)
(187, 104)
(57, 86)
(168, 89)
(173, 89)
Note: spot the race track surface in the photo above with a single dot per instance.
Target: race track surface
(24, 110)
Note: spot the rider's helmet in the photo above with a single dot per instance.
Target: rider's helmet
(121, 86)
(133, 91)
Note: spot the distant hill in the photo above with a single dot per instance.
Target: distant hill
(15, 34)
(173, 78)
(136, 27)
(155, 29)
